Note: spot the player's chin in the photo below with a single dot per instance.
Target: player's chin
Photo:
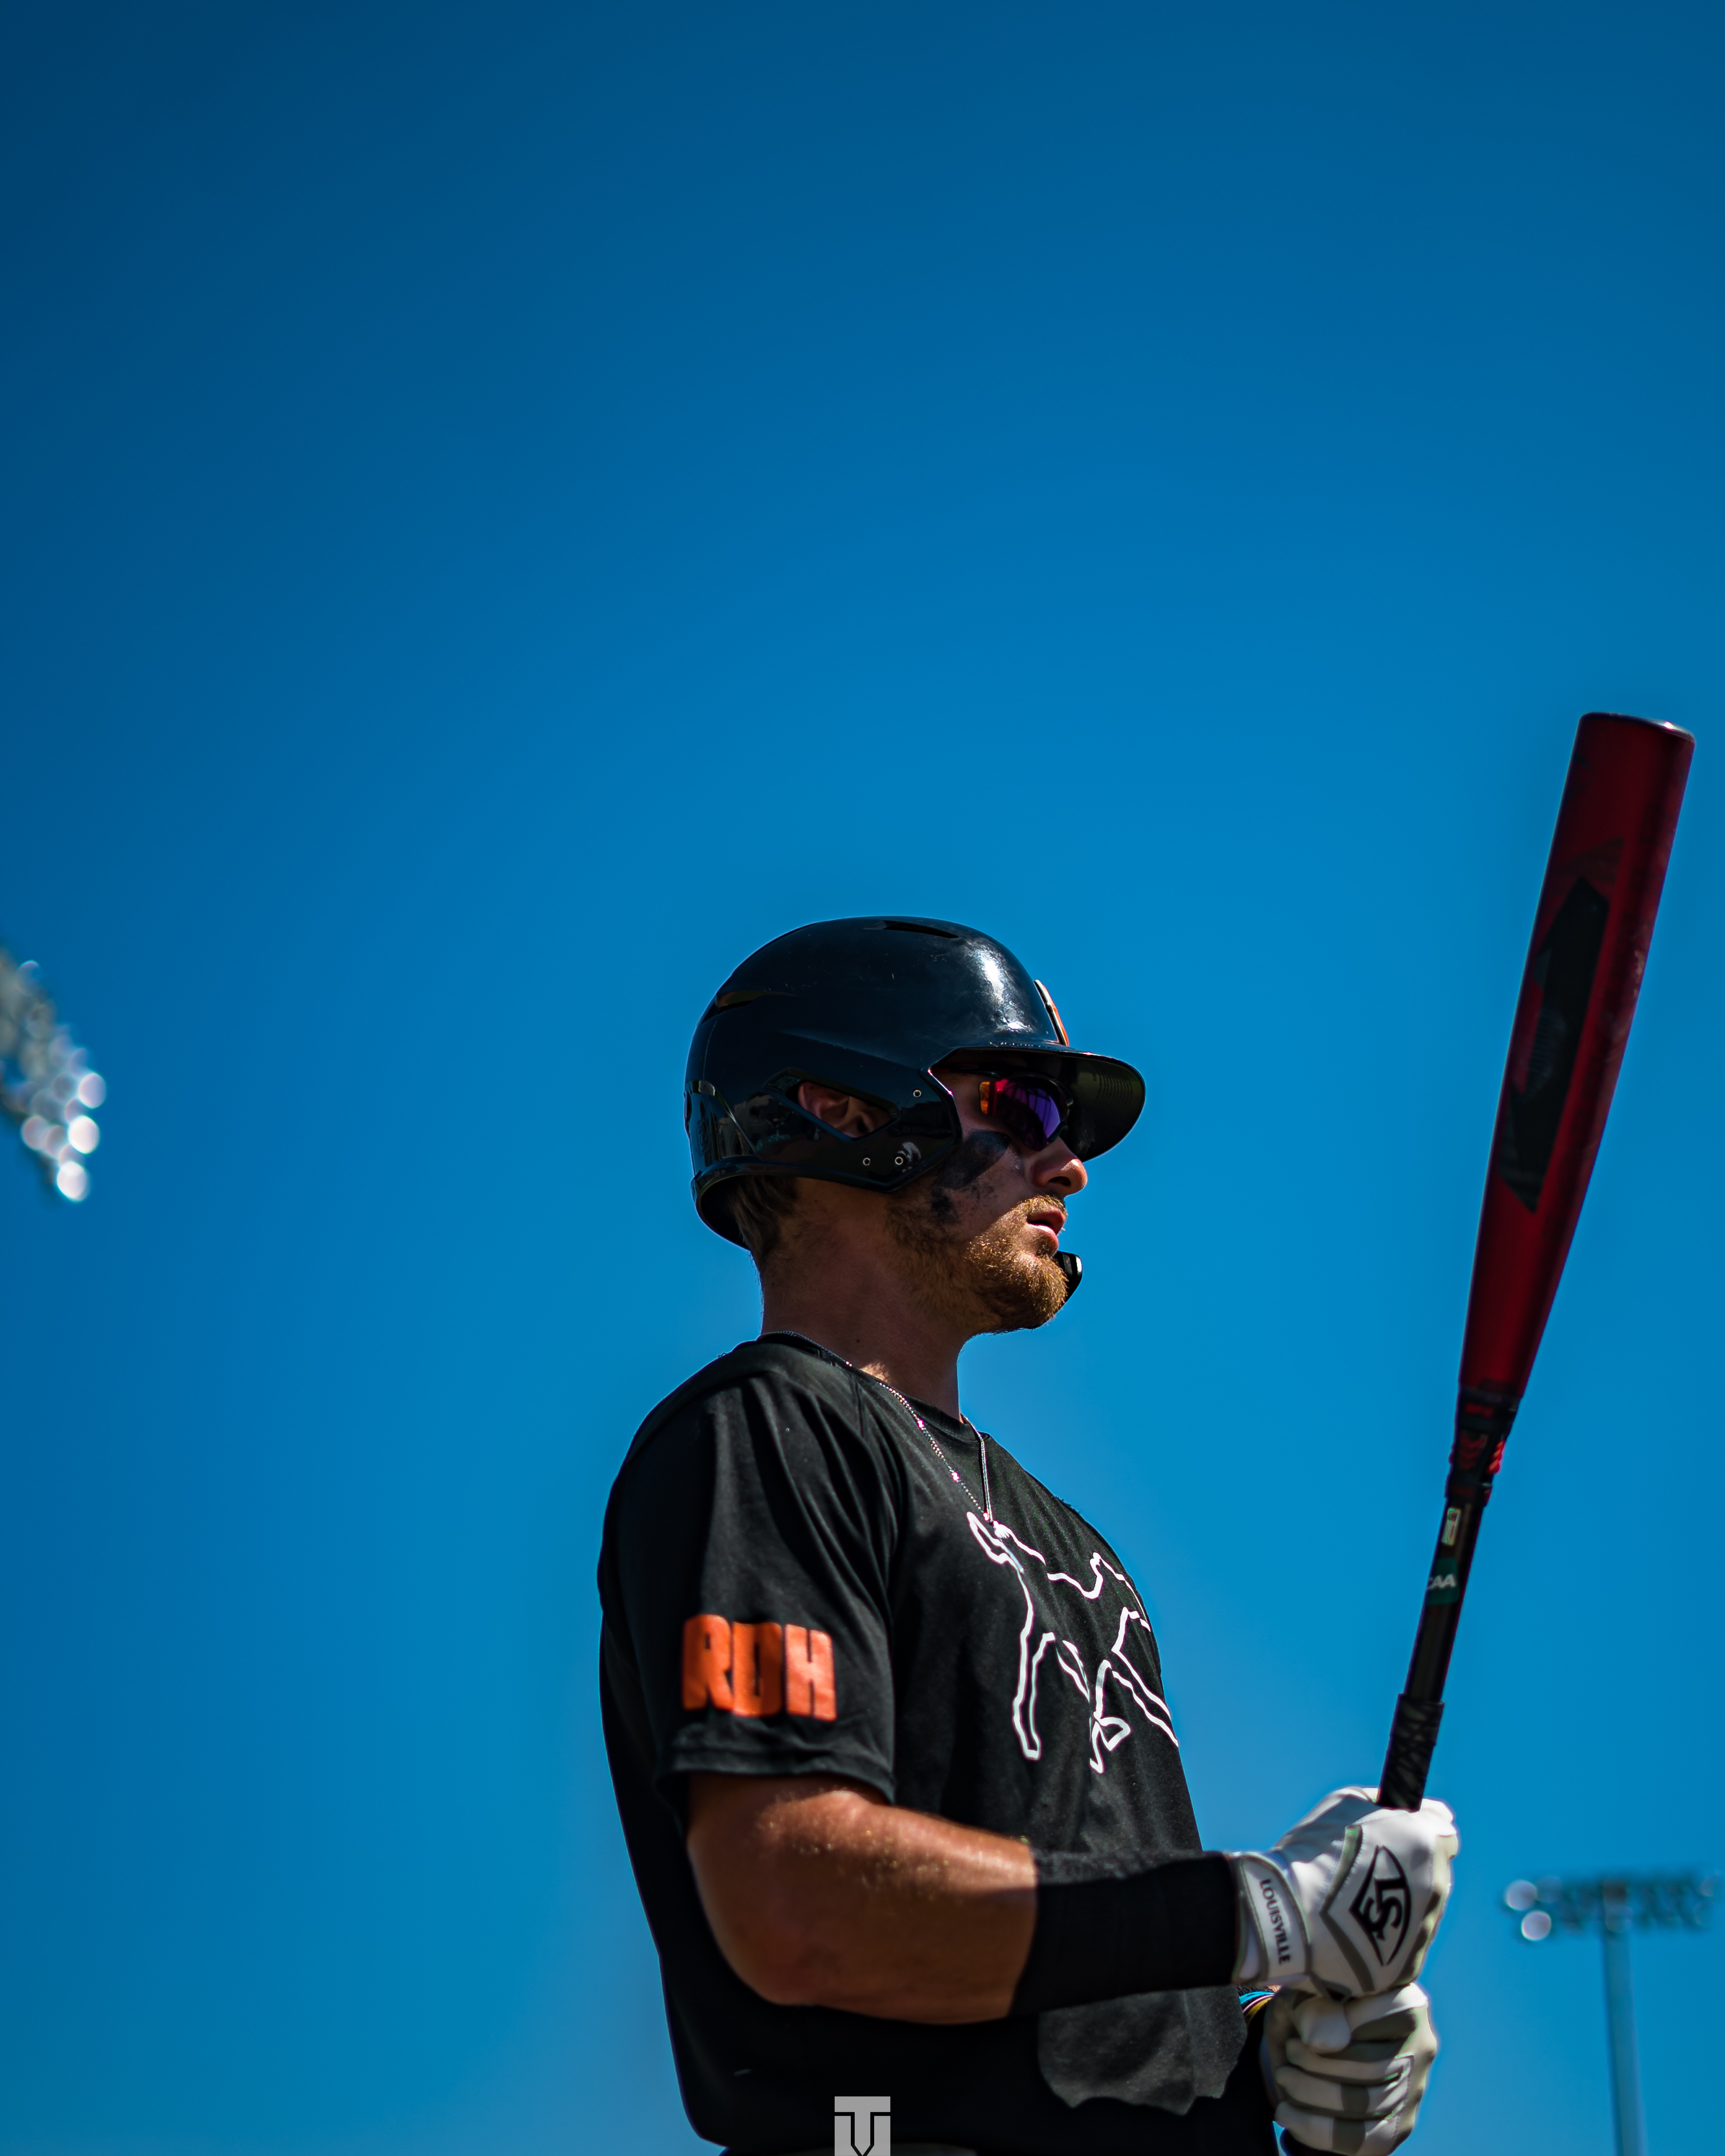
(1026, 1293)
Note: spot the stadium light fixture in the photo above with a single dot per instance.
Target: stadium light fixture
(1614, 1904)
(47, 1087)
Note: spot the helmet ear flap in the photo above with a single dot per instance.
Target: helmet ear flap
(770, 1133)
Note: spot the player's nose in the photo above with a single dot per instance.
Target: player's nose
(1057, 1167)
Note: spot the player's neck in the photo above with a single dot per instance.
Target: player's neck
(872, 1317)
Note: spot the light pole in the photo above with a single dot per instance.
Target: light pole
(1614, 1904)
(47, 1087)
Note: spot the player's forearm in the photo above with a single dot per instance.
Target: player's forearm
(822, 1894)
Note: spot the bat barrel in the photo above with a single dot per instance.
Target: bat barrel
(1591, 932)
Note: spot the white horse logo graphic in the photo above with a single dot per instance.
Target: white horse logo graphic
(1132, 1689)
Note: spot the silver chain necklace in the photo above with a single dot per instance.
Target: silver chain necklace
(986, 1506)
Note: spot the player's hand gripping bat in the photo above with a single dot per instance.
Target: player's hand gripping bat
(1590, 937)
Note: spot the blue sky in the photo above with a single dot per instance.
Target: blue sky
(510, 507)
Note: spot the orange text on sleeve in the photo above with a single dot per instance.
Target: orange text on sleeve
(754, 1670)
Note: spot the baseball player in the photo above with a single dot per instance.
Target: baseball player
(886, 1718)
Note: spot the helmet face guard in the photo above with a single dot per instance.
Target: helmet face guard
(873, 1008)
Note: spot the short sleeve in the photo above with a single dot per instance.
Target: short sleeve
(750, 1545)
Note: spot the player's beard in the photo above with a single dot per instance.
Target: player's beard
(988, 1274)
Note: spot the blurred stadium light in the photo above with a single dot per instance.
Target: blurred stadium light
(47, 1087)
(1614, 1904)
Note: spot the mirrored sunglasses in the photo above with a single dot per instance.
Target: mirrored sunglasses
(1029, 1111)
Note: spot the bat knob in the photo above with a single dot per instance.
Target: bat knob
(1073, 1265)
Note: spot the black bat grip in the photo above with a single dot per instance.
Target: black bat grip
(1407, 1762)
(1482, 1427)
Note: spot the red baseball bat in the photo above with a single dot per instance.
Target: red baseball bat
(1590, 936)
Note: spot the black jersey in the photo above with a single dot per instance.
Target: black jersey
(804, 1573)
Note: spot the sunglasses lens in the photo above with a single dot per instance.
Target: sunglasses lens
(1029, 1113)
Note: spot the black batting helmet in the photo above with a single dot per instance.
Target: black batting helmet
(870, 1007)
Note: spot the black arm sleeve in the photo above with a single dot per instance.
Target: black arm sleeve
(1107, 1928)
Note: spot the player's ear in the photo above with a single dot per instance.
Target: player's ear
(844, 1111)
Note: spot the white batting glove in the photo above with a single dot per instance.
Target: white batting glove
(1349, 1898)
(1348, 2075)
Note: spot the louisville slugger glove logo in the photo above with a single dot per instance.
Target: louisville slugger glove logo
(1384, 1905)
(1280, 1949)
